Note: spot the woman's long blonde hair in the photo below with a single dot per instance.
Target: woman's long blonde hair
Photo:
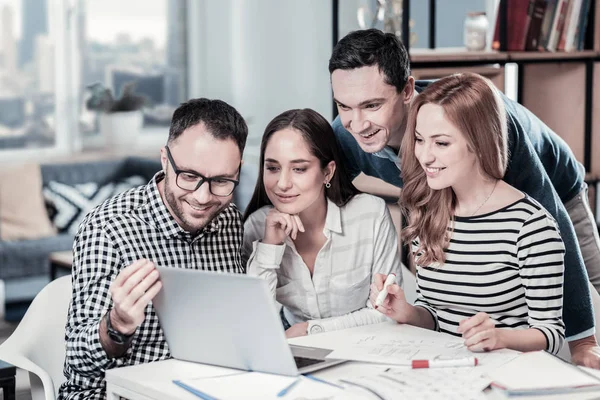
(474, 106)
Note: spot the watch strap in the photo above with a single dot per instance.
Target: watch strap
(115, 335)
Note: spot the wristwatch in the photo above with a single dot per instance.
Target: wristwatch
(314, 327)
(115, 335)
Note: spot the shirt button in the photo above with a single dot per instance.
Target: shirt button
(316, 329)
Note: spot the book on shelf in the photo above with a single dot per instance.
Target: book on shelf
(537, 10)
(518, 18)
(549, 12)
(582, 25)
(567, 38)
(557, 25)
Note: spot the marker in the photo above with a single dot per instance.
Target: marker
(458, 362)
(391, 278)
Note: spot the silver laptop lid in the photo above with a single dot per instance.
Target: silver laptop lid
(229, 320)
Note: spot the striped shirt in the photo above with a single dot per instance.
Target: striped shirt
(361, 241)
(509, 264)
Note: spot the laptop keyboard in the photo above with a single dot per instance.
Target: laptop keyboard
(302, 362)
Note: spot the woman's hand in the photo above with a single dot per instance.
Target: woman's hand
(480, 333)
(299, 329)
(278, 225)
(395, 305)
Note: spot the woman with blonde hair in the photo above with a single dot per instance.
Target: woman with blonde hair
(489, 258)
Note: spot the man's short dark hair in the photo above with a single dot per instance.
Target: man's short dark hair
(220, 119)
(370, 47)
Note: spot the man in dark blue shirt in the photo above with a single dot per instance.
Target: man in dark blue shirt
(373, 89)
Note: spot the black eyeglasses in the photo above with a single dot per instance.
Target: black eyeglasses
(191, 181)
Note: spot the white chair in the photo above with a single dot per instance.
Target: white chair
(38, 343)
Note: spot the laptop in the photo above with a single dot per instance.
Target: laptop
(229, 320)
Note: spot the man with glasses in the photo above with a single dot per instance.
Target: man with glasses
(183, 218)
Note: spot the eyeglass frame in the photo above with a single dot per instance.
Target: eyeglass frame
(202, 177)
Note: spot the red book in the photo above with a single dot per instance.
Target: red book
(518, 17)
(535, 25)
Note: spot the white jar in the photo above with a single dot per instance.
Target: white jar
(476, 27)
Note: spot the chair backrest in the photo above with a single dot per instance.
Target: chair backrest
(38, 343)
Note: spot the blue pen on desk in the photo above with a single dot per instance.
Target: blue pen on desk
(314, 378)
(289, 387)
(194, 391)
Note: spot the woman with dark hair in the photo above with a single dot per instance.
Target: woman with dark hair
(308, 231)
(489, 258)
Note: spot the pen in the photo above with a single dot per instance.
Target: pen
(458, 362)
(391, 278)
(289, 387)
(314, 378)
(195, 391)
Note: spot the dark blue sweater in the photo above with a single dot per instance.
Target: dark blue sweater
(541, 165)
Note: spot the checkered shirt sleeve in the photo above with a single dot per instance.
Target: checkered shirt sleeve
(128, 227)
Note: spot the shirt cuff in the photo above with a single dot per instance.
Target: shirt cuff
(268, 255)
(584, 334)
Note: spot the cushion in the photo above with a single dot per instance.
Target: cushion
(73, 202)
(22, 211)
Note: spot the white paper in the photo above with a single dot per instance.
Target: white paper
(257, 385)
(399, 349)
(539, 370)
(440, 383)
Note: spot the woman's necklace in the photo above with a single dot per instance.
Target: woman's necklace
(486, 199)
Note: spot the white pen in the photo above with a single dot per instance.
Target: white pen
(390, 280)
(458, 362)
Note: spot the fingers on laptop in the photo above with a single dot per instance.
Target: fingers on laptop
(135, 286)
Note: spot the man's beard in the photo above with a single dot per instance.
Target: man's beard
(176, 207)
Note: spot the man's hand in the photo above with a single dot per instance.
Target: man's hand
(135, 286)
(585, 352)
(296, 330)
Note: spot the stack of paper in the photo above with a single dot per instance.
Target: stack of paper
(540, 373)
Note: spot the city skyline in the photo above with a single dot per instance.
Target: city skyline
(108, 18)
(127, 52)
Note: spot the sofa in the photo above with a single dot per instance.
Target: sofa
(30, 257)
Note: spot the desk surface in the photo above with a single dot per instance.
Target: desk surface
(155, 380)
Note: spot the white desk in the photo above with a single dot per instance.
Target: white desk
(155, 380)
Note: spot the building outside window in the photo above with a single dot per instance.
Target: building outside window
(49, 46)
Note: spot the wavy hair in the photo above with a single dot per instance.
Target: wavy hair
(474, 106)
(320, 139)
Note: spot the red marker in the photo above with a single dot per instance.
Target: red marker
(458, 362)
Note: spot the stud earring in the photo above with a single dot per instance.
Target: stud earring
(327, 185)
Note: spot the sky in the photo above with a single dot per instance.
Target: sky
(107, 18)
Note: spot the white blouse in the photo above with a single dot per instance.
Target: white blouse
(361, 241)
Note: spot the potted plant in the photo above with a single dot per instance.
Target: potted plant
(120, 119)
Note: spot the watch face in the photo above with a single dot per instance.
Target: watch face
(113, 334)
(116, 337)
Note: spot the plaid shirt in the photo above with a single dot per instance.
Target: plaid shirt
(132, 225)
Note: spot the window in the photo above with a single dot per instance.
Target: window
(27, 79)
(139, 42)
(52, 50)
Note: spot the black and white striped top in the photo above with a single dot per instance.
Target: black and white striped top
(509, 264)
